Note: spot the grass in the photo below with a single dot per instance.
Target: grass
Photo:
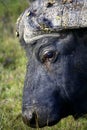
(12, 73)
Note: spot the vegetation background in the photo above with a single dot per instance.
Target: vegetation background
(12, 73)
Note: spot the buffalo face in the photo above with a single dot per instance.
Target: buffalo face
(56, 78)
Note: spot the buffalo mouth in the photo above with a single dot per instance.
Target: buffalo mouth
(37, 122)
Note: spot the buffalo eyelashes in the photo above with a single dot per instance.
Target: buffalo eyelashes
(48, 56)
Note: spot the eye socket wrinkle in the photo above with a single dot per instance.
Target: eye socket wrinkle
(48, 56)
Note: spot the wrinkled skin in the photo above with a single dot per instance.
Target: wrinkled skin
(56, 78)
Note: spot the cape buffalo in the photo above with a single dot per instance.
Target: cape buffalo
(56, 76)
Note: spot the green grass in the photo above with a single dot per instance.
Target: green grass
(12, 73)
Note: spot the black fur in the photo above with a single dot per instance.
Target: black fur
(56, 78)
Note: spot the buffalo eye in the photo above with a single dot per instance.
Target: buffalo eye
(48, 56)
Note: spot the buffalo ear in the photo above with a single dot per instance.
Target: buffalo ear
(20, 29)
(18, 23)
(30, 1)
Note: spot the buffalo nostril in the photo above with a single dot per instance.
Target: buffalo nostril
(29, 118)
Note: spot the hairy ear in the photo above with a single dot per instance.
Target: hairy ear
(31, 0)
(18, 24)
(20, 29)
